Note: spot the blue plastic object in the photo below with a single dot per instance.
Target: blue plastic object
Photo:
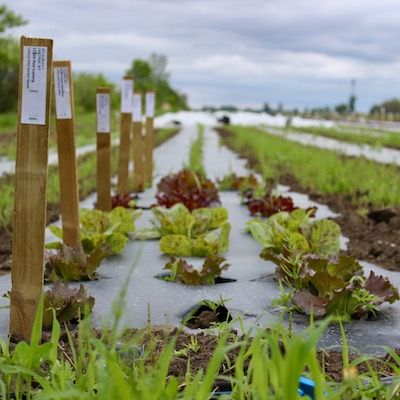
(306, 387)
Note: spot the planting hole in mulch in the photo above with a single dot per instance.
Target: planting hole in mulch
(206, 314)
(166, 276)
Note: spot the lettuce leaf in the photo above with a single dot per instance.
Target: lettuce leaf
(208, 244)
(68, 304)
(102, 234)
(320, 237)
(188, 187)
(182, 271)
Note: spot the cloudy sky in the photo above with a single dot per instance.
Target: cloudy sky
(300, 53)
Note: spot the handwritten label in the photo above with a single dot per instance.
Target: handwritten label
(137, 108)
(126, 95)
(34, 85)
(150, 104)
(103, 112)
(62, 93)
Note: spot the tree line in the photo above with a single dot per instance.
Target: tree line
(149, 74)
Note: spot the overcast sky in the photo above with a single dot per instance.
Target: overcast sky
(298, 52)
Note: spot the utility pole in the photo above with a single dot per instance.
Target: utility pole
(352, 99)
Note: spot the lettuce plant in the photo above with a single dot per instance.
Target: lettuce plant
(201, 232)
(335, 286)
(182, 271)
(235, 182)
(102, 234)
(319, 237)
(67, 304)
(123, 200)
(188, 187)
(265, 203)
(207, 244)
(306, 255)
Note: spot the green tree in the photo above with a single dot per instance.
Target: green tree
(9, 60)
(352, 104)
(142, 72)
(152, 74)
(85, 85)
(391, 106)
(341, 109)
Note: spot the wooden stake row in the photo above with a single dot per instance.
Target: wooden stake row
(29, 221)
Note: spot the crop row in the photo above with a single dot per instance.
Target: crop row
(365, 182)
(362, 136)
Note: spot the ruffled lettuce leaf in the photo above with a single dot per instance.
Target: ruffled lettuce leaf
(182, 271)
(188, 187)
(102, 234)
(208, 244)
(68, 304)
(320, 237)
(178, 220)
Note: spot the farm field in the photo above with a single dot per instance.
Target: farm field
(251, 296)
(199, 200)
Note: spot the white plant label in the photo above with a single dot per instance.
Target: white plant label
(150, 104)
(126, 95)
(62, 93)
(34, 85)
(103, 112)
(137, 108)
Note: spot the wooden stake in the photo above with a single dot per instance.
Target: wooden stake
(69, 194)
(125, 135)
(138, 158)
(103, 106)
(149, 144)
(29, 221)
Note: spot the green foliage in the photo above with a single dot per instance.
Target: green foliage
(207, 244)
(391, 106)
(305, 252)
(182, 271)
(102, 235)
(9, 60)
(8, 19)
(179, 220)
(108, 365)
(65, 304)
(336, 287)
(376, 138)
(151, 74)
(365, 182)
(202, 232)
(232, 181)
(86, 171)
(319, 237)
(85, 85)
(196, 152)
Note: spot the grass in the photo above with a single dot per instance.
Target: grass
(355, 135)
(366, 183)
(8, 121)
(107, 365)
(87, 180)
(85, 128)
(196, 152)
